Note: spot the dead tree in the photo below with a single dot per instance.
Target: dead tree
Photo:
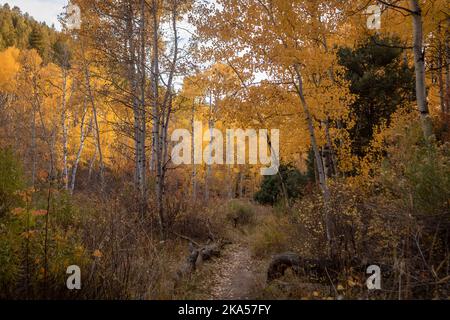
(198, 254)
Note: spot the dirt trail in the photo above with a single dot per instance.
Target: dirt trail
(234, 275)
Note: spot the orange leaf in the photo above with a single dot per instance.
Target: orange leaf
(97, 253)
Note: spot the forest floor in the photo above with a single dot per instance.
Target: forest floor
(234, 277)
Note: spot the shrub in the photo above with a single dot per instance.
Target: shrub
(271, 190)
(273, 236)
(11, 180)
(240, 213)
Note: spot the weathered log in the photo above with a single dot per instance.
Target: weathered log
(210, 251)
(282, 262)
(314, 268)
(199, 254)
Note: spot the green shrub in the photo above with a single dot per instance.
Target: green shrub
(271, 190)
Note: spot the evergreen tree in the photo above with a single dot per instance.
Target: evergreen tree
(382, 82)
(271, 190)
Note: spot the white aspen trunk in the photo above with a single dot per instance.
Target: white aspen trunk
(64, 128)
(194, 167)
(138, 103)
(440, 69)
(157, 148)
(419, 63)
(96, 123)
(83, 135)
(318, 158)
(211, 124)
(143, 115)
(330, 159)
(162, 111)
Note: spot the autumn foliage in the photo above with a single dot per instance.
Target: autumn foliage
(86, 172)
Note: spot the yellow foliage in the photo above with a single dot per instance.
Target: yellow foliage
(9, 68)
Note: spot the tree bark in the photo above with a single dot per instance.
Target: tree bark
(90, 93)
(419, 63)
(440, 69)
(318, 158)
(137, 90)
(64, 129)
(83, 136)
(157, 148)
(194, 167)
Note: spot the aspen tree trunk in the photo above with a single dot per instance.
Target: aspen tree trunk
(143, 114)
(64, 130)
(231, 193)
(97, 135)
(320, 167)
(34, 105)
(211, 125)
(90, 93)
(83, 135)
(440, 71)
(419, 63)
(331, 157)
(138, 103)
(162, 109)
(157, 150)
(194, 167)
(332, 153)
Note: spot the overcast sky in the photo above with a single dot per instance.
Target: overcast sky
(41, 10)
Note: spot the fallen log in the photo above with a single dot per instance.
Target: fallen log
(210, 251)
(314, 268)
(199, 254)
(282, 262)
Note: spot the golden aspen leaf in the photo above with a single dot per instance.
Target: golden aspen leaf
(97, 254)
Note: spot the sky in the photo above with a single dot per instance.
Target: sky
(40, 10)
